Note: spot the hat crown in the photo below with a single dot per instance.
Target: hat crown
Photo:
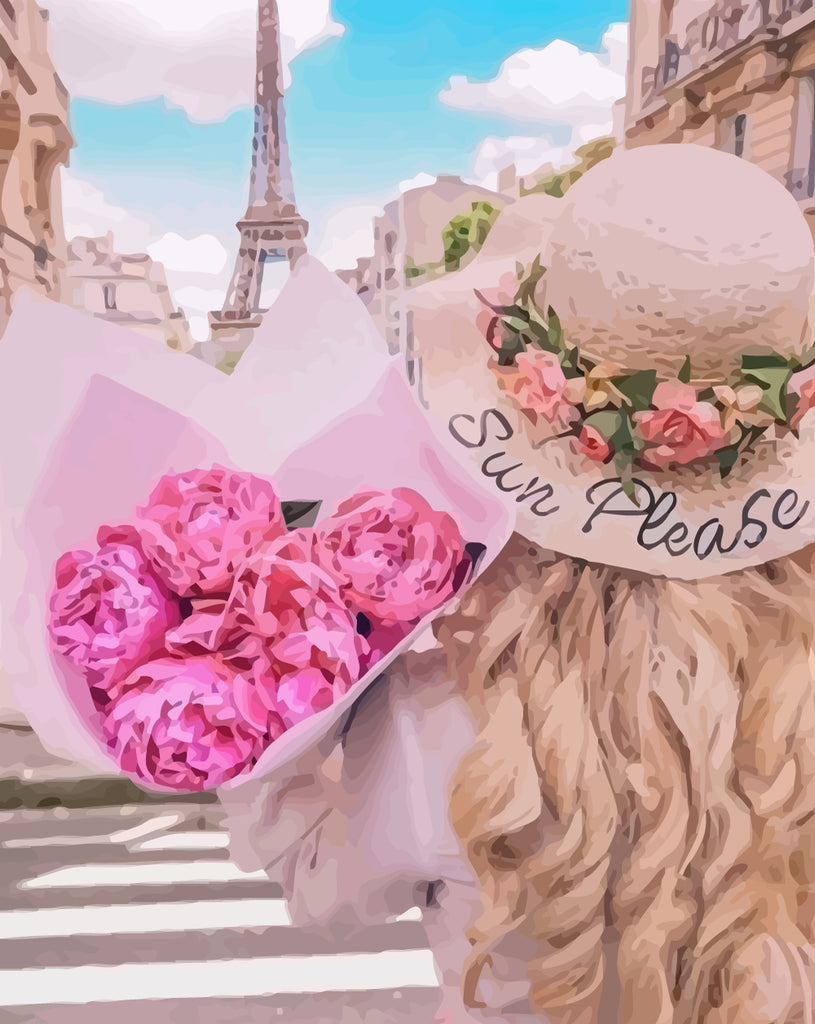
(669, 251)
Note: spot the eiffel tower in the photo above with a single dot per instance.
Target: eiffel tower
(271, 230)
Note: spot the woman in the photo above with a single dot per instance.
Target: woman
(662, 797)
(629, 755)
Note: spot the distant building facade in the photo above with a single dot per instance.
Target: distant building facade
(34, 142)
(407, 235)
(735, 74)
(130, 290)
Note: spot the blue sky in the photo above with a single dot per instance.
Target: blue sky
(365, 107)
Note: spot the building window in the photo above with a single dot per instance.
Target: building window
(802, 176)
(734, 135)
(670, 65)
(739, 130)
(109, 291)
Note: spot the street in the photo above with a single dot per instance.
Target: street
(133, 913)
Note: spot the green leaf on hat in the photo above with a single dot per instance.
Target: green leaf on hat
(511, 345)
(526, 289)
(763, 361)
(793, 401)
(607, 423)
(727, 457)
(773, 380)
(628, 486)
(685, 372)
(570, 361)
(637, 388)
(535, 318)
(515, 324)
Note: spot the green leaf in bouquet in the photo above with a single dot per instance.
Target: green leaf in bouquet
(637, 388)
(773, 380)
(300, 513)
(685, 372)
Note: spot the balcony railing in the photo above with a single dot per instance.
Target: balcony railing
(40, 252)
(728, 24)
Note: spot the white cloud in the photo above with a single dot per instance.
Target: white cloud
(526, 153)
(199, 326)
(197, 269)
(87, 212)
(198, 54)
(417, 181)
(193, 296)
(201, 255)
(559, 83)
(346, 235)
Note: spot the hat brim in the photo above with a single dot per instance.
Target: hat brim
(686, 523)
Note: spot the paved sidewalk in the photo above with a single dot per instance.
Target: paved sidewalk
(31, 777)
(22, 756)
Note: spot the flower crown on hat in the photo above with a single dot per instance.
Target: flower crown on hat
(635, 419)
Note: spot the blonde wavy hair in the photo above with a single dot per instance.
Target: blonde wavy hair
(639, 808)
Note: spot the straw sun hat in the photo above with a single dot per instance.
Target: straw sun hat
(640, 391)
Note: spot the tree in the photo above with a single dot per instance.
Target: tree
(559, 182)
(467, 231)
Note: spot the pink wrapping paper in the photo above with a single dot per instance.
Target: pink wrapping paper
(115, 446)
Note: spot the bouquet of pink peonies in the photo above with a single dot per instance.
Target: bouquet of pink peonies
(205, 629)
(190, 627)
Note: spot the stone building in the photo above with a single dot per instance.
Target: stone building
(735, 74)
(128, 290)
(407, 235)
(34, 142)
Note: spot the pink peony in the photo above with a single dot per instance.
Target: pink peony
(593, 445)
(806, 401)
(108, 612)
(300, 644)
(397, 558)
(282, 585)
(382, 639)
(177, 725)
(681, 429)
(540, 386)
(200, 528)
(205, 630)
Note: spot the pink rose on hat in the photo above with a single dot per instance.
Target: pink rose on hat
(541, 387)
(681, 429)
(176, 725)
(397, 557)
(108, 611)
(199, 528)
(594, 445)
(806, 401)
